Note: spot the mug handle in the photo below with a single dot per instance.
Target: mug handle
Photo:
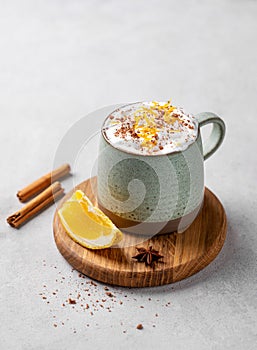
(217, 135)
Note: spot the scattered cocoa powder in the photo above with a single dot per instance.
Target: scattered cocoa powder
(72, 301)
(109, 294)
(81, 299)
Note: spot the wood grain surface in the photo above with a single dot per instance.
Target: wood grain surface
(184, 253)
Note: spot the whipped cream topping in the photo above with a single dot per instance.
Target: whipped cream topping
(150, 128)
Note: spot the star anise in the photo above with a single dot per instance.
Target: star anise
(148, 256)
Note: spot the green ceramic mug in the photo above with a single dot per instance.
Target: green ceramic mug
(156, 194)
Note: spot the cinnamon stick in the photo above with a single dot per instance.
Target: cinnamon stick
(36, 205)
(43, 182)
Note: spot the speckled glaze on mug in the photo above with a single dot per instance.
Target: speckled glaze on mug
(156, 194)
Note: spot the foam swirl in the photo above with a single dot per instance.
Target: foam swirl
(150, 128)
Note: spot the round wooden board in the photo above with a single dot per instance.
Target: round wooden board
(184, 253)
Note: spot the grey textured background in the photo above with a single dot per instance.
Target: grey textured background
(59, 60)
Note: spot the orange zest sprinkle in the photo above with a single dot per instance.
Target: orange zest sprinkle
(145, 121)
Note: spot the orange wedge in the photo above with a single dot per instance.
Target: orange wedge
(86, 224)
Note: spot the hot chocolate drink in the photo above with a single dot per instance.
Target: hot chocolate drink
(150, 166)
(150, 128)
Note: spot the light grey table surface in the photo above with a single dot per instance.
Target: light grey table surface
(60, 60)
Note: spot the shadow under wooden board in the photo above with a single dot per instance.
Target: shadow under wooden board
(184, 253)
